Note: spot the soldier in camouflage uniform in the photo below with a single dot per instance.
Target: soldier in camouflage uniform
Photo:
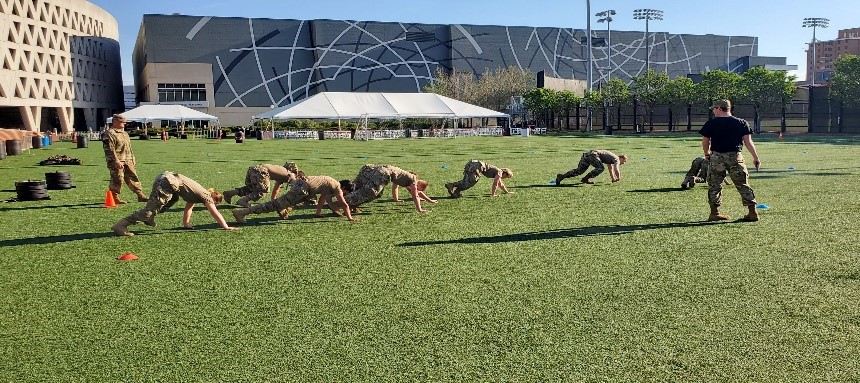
(595, 158)
(371, 180)
(473, 171)
(304, 187)
(257, 182)
(167, 189)
(120, 160)
(697, 174)
(722, 137)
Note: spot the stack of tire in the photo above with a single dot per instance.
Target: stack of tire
(59, 180)
(31, 190)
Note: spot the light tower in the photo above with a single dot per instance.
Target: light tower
(813, 22)
(606, 17)
(647, 14)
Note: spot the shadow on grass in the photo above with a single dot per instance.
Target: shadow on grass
(55, 239)
(565, 233)
(657, 190)
(89, 205)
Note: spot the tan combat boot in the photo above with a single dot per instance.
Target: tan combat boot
(141, 197)
(285, 213)
(239, 214)
(752, 216)
(716, 215)
(121, 228)
(228, 196)
(116, 198)
(244, 202)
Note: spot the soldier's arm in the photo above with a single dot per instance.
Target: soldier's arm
(748, 142)
(413, 190)
(394, 193)
(276, 189)
(212, 211)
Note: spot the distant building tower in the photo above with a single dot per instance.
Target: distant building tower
(827, 51)
(60, 65)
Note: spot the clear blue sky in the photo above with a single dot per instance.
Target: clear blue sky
(777, 24)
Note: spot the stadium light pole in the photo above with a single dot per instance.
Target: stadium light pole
(814, 22)
(588, 42)
(606, 17)
(647, 14)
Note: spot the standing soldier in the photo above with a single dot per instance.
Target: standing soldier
(596, 158)
(257, 182)
(168, 188)
(722, 137)
(371, 180)
(473, 170)
(120, 160)
(302, 188)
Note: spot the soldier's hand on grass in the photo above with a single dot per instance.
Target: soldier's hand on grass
(231, 228)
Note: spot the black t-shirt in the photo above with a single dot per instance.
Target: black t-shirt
(726, 133)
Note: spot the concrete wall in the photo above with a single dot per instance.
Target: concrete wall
(261, 62)
(68, 63)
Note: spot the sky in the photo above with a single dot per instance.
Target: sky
(777, 24)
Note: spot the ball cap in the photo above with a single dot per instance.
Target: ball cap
(722, 104)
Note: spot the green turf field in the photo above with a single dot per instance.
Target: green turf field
(610, 282)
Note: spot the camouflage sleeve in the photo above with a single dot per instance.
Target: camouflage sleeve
(110, 153)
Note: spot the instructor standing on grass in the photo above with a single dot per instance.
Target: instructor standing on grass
(722, 137)
(120, 160)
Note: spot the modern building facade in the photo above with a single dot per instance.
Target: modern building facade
(234, 68)
(827, 51)
(60, 65)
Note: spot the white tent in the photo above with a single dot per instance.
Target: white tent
(149, 113)
(348, 106)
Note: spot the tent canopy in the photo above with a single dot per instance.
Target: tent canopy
(147, 113)
(346, 106)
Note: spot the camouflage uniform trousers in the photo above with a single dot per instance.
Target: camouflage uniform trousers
(162, 197)
(369, 184)
(731, 163)
(256, 183)
(128, 173)
(471, 174)
(284, 204)
(698, 172)
(589, 158)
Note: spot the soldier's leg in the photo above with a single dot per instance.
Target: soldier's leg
(594, 161)
(115, 185)
(133, 181)
(470, 176)
(740, 177)
(716, 174)
(580, 168)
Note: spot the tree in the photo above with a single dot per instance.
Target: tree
(616, 93)
(718, 85)
(541, 101)
(766, 90)
(568, 101)
(680, 92)
(459, 85)
(649, 89)
(497, 86)
(493, 90)
(845, 83)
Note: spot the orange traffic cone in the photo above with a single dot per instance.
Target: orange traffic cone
(109, 201)
(74, 137)
(127, 257)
